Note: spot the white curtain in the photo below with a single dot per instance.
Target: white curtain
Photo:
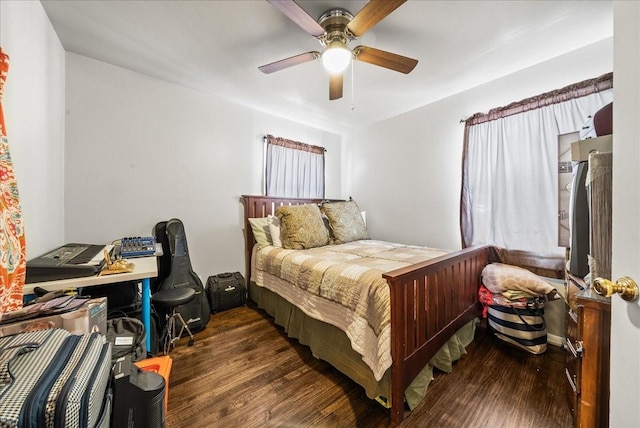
(293, 169)
(511, 174)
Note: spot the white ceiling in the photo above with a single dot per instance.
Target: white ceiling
(217, 46)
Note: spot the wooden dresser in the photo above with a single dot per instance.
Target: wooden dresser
(587, 364)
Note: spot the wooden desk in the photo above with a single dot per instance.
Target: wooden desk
(144, 269)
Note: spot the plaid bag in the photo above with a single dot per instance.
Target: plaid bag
(53, 378)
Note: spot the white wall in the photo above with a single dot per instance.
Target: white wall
(34, 112)
(140, 150)
(406, 171)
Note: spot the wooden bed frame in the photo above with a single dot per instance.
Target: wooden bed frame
(430, 301)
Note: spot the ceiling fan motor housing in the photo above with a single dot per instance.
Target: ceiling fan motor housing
(334, 22)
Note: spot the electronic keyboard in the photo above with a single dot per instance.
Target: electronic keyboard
(67, 261)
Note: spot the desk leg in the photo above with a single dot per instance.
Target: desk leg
(146, 309)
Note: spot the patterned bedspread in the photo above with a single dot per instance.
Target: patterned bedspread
(349, 275)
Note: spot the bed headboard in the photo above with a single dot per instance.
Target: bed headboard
(262, 206)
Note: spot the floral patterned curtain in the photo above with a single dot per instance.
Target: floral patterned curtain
(12, 243)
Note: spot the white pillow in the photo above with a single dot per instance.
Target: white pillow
(274, 228)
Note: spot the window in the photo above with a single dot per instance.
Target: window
(510, 166)
(293, 169)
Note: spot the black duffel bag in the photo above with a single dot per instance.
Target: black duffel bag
(226, 291)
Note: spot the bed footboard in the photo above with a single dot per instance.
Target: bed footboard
(430, 301)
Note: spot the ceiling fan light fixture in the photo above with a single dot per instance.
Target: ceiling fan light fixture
(336, 58)
(335, 30)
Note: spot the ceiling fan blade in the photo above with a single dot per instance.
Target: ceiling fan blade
(289, 62)
(372, 13)
(385, 59)
(335, 86)
(298, 15)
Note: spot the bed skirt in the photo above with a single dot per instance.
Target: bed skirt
(331, 344)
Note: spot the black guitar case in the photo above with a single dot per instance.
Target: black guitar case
(163, 261)
(197, 312)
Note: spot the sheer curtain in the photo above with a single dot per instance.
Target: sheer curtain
(293, 169)
(510, 166)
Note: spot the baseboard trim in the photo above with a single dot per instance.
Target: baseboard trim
(558, 341)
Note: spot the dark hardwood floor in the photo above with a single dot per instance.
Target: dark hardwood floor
(243, 371)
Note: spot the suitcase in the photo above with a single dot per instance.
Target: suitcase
(51, 378)
(226, 291)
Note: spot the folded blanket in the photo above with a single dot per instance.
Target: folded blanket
(499, 278)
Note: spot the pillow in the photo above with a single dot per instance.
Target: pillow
(274, 228)
(261, 232)
(346, 221)
(301, 227)
(498, 278)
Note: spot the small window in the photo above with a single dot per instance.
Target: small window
(293, 169)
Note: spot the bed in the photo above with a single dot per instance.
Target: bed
(432, 307)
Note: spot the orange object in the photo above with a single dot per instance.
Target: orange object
(162, 366)
(13, 260)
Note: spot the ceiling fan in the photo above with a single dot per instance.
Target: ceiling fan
(335, 29)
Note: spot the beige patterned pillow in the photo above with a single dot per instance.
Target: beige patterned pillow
(346, 221)
(301, 227)
(499, 277)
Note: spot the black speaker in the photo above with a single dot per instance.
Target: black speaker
(138, 396)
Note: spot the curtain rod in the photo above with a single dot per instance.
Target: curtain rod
(265, 139)
(569, 92)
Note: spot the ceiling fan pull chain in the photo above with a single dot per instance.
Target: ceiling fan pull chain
(353, 86)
